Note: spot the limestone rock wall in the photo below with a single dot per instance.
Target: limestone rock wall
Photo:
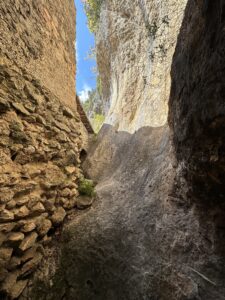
(157, 228)
(39, 36)
(135, 44)
(41, 135)
(197, 98)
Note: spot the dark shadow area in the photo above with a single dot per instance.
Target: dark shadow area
(157, 231)
(197, 119)
(83, 155)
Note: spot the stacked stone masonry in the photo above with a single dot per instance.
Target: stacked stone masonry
(40, 144)
(41, 135)
(84, 117)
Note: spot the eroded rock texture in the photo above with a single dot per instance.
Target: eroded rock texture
(135, 44)
(157, 230)
(40, 135)
(39, 36)
(197, 105)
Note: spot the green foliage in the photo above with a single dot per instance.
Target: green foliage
(153, 28)
(94, 108)
(86, 187)
(97, 122)
(99, 85)
(166, 20)
(93, 9)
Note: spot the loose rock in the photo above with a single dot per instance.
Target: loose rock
(58, 216)
(28, 241)
(6, 215)
(83, 202)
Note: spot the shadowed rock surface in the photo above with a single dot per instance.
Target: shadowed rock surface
(41, 133)
(157, 229)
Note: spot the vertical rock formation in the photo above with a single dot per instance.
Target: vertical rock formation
(39, 37)
(41, 135)
(135, 44)
(197, 107)
(157, 229)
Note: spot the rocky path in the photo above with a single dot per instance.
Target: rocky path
(139, 240)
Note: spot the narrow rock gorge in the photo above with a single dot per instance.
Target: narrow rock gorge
(41, 134)
(156, 229)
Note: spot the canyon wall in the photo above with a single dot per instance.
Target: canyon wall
(39, 36)
(156, 230)
(135, 44)
(41, 134)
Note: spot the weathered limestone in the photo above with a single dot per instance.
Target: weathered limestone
(157, 230)
(41, 135)
(135, 45)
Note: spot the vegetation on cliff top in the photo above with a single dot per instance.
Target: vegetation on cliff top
(94, 109)
(93, 9)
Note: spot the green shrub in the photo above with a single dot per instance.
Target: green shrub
(153, 28)
(97, 122)
(86, 187)
(93, 9)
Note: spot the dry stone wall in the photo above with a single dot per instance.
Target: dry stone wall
(41, 135)
(39, 149)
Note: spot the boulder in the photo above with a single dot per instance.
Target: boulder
(83, 202)
(28, 226)
(10, 282)
(29, 241)
(20, 108)
(14, 263)
(4, 127)
(68, 112)
(5, 253)
(30, 266)
(4, 105)
(38, 208)
(18, 288)
(7, 227)
(15, 237)
(29, 254)
(70, 170)
(65, 193)
(3, 273)
(11, 204)
(50, 205)
(22, 212)
(6, 195)
(61, 126)
(58, 216)
(6, 216)
(44, 227)
(2, 238)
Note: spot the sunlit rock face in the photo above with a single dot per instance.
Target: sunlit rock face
(157, 229)
(135, 45)
(41, 135)
(39, 36)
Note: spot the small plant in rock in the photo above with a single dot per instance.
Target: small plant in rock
(152, 29)
(93, 9)
(152, 56)
(86, 187)
(162, 51)
(166, 20)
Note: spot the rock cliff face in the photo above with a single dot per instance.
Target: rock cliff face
(135, 45)
(41, 135)
(157, 229)
(39, 36)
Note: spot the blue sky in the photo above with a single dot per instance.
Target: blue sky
(85, 79)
